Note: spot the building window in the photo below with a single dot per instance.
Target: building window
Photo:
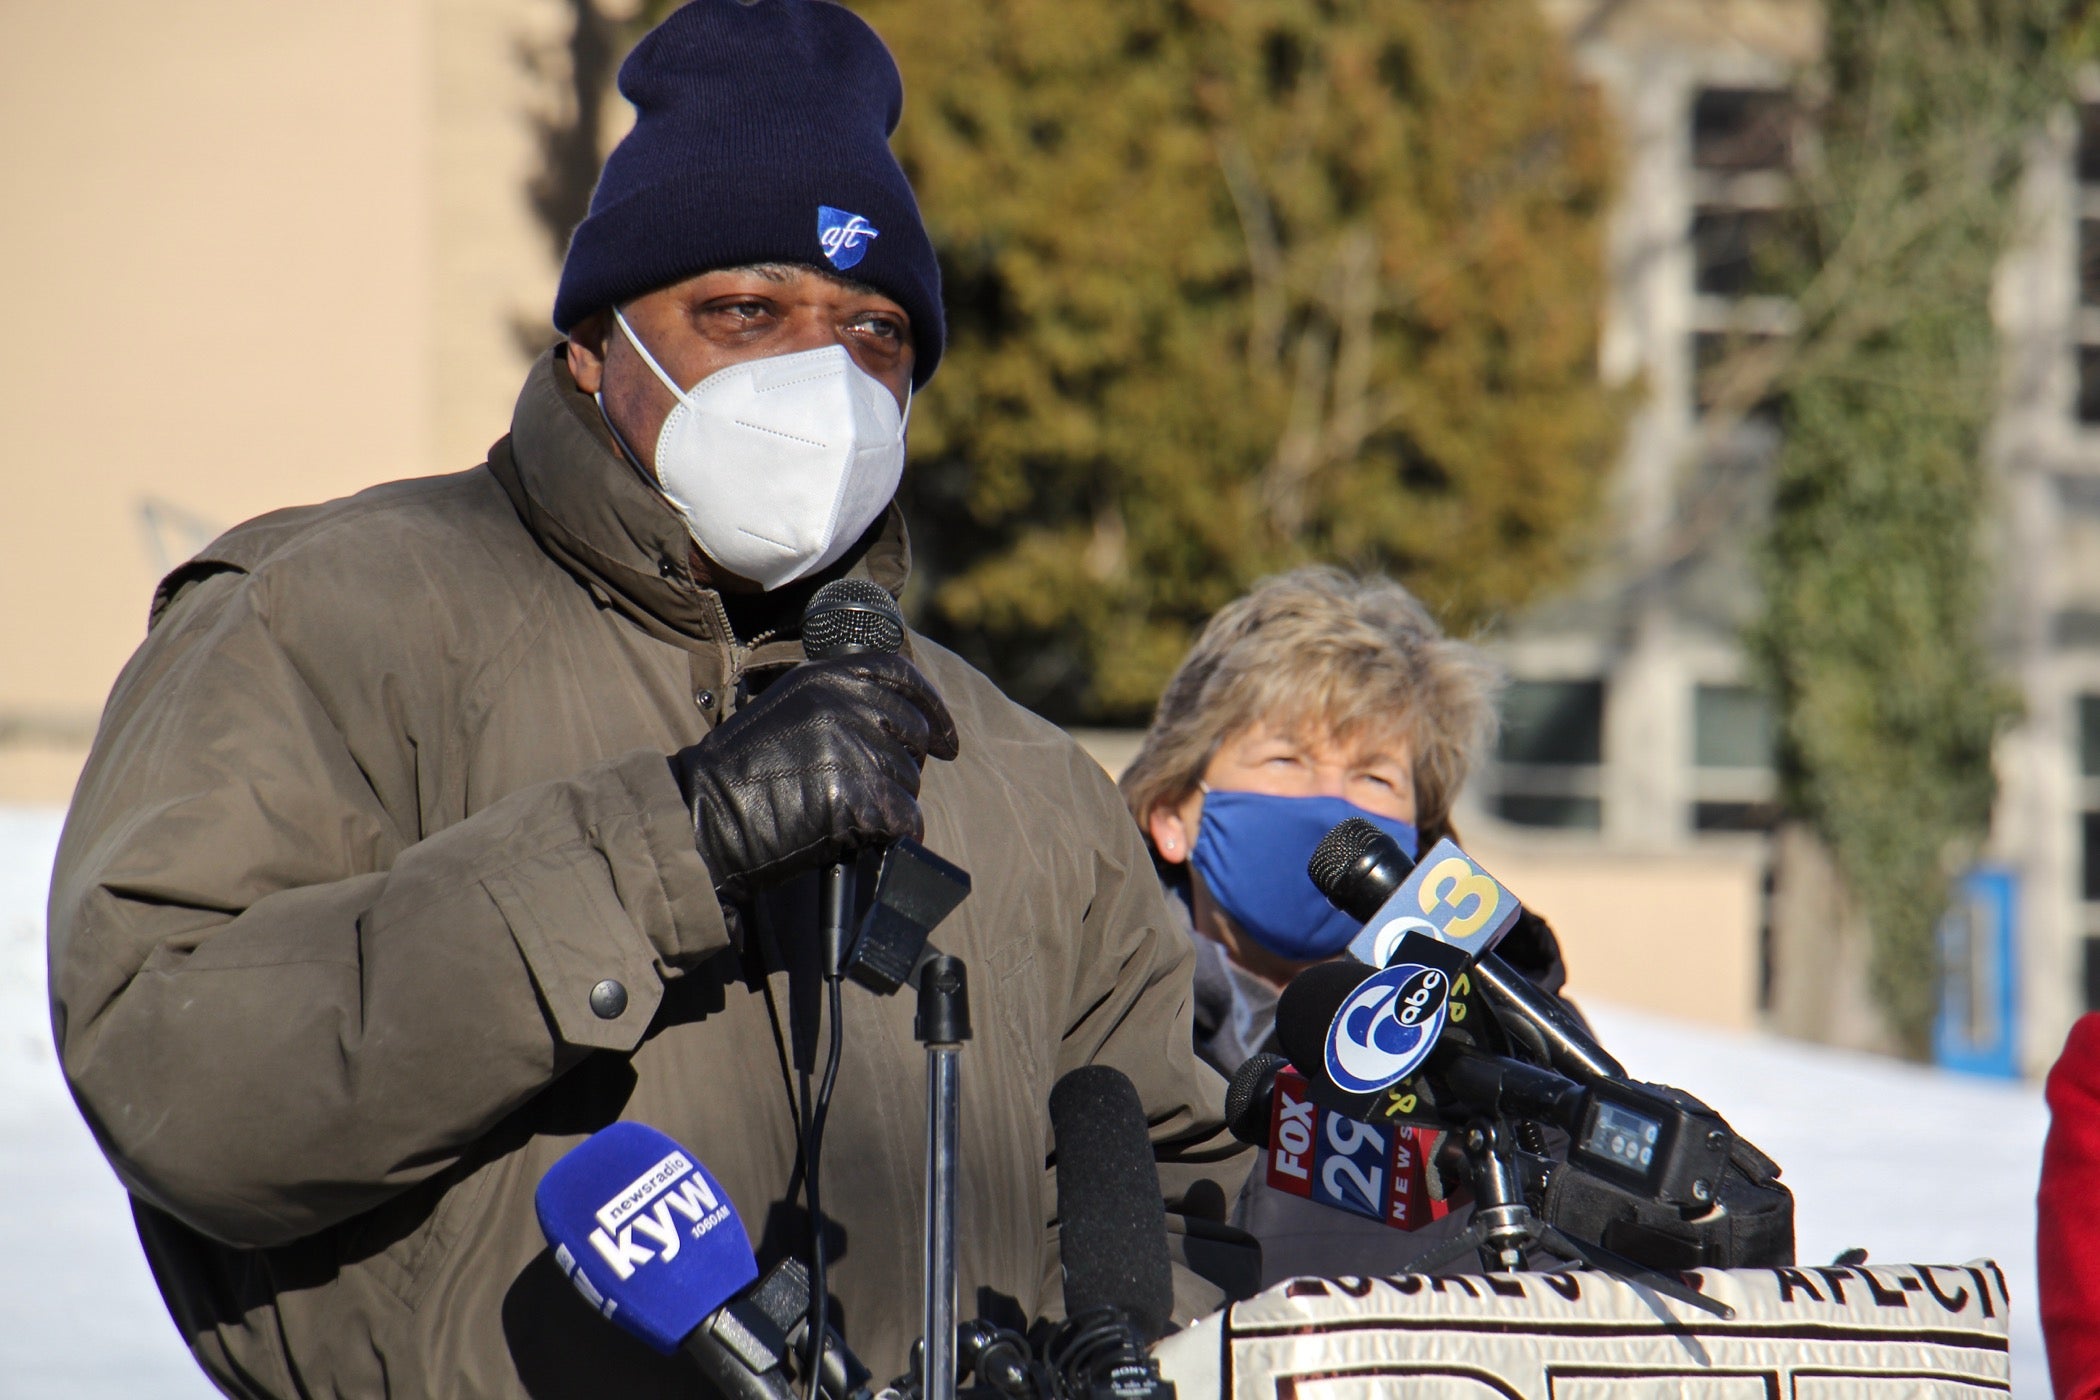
(1727, 245)
(2089, 143)
(2090, 847)
(1742, 129)
(1742, 149)
(2087, 317)
(1550, 758)
(1732, 782)
(2089, 383)
(2089, 840)
(2089, 261)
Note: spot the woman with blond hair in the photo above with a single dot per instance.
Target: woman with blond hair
(1317, 696)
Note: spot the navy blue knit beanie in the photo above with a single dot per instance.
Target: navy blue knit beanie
(761, 134)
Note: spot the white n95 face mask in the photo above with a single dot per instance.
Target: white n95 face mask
(779, 465)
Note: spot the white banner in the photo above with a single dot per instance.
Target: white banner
(1797, 1334)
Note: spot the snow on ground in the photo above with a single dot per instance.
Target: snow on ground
(79, 1315)
(1915, 1165)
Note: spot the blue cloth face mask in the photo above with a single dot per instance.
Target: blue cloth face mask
(1252, 849)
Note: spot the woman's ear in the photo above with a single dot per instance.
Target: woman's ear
(1170, 834)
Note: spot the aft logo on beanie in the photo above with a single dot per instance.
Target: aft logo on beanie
(843, 237)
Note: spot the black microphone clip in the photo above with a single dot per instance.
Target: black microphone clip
(914, 891)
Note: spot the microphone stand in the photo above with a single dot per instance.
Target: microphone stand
(1504, 1227)
(942, 1026)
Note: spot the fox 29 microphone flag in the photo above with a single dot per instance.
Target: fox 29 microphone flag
(644, 1232)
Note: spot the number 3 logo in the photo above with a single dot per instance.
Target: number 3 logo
(1453, 882)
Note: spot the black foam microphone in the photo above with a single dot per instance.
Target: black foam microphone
(1119, 1280)
(1114, 1218)
(1358, 867)
(1249, 1095)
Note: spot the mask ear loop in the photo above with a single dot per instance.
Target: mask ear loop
(647, 358)
(619, 438)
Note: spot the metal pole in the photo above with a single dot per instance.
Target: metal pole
(942, 1132)
(1506, 1223)
(943, 1025)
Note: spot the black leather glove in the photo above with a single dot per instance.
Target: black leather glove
(826, 762)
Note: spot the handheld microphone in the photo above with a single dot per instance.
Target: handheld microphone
(1345, 1000)
(851, 616)
(1343, 1009)
(846, 617)
(652, 1242)
(1405, 906)
(1446, 896)
(1376, 1169)
(1357, 1031)
(1118, 1278)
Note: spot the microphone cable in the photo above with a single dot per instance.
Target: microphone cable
(812, 1155)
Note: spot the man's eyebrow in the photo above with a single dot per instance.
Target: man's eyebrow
(787, 272)
(781, 272)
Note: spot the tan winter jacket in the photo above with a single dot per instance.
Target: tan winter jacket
(379, 802)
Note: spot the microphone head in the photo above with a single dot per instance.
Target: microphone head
(1358, 867)
(1113, 1216)
(1305, 1013)
(1248, 1095)
(849, 616)
(644, 1232)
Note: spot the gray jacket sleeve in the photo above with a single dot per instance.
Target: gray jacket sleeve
(274, 1006)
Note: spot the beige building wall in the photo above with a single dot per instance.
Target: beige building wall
(1674, 934)
(498, 65)
(256, 254)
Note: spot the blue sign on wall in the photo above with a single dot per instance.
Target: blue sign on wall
(1977, 1030)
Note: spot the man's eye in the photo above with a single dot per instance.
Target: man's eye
(880, 326)
(739, 312)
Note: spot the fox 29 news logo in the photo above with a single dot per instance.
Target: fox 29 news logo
(1376, 1172)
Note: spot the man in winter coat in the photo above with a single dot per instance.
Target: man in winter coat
(434, 829)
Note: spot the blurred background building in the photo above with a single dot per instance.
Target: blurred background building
(261, 254)
(1634, 781)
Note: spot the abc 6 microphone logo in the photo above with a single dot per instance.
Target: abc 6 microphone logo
(1387, 1027)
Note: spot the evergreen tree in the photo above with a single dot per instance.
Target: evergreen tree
(1234, 284)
